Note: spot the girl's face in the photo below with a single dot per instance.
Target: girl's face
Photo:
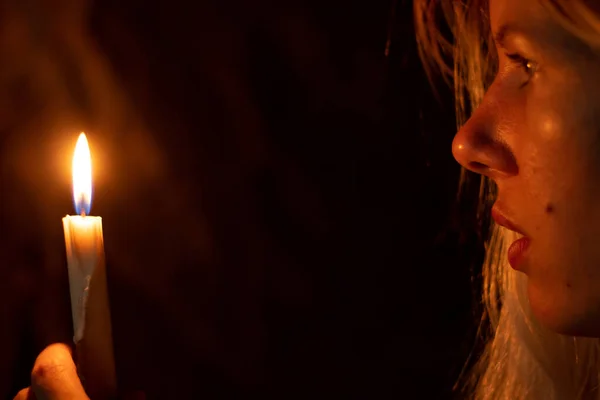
(537, 135)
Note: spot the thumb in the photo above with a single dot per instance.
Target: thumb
(54, 375)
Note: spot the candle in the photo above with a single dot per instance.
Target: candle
(87, 282)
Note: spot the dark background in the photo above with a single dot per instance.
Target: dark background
(278, 197)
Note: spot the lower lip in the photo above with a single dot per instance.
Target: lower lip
(516, 252)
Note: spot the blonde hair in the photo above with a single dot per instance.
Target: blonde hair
(521, 359)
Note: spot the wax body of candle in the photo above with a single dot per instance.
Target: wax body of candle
(90, 305)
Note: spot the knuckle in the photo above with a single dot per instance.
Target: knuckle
(45, 372)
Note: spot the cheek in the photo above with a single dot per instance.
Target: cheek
(560, 185)
(563, 124)
(564, 265)
(544, 157)
(558, 146)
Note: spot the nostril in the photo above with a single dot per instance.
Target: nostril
(477, 166)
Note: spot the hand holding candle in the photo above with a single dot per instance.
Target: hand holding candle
(87, 282)
(54, 377)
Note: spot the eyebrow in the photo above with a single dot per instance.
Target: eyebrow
(504, 31)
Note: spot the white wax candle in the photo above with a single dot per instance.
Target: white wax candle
(87, 281)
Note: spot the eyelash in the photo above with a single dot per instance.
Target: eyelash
(528, 66)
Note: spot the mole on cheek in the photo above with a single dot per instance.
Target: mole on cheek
(549, 208)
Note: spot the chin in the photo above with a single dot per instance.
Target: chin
(582, 330)
(569, 324)
(565, 324)
(564, 317)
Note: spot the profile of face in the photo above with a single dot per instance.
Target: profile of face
(537, 135)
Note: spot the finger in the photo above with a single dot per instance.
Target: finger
(54, 375)
(25, 394)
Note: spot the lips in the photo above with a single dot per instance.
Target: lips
(502, 220)
(518, 249)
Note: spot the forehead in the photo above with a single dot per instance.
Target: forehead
(533, 22)
(514, 10)
(526, 15)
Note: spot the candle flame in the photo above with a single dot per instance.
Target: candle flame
(82, 176)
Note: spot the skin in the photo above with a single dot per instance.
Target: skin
(54, 377)
(536, 134)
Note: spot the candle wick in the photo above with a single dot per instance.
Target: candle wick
(82, 212)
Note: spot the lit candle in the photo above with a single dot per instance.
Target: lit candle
(87, 282)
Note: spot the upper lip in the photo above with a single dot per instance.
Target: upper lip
(501, 219)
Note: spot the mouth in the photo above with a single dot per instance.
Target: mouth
(504, 221)
(518, 249)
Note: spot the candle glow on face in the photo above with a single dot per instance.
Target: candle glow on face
(82, 176)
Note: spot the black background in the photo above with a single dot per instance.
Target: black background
(297, 236)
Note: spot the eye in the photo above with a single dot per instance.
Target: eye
(528, 66)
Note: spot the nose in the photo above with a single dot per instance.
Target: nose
(479, 146)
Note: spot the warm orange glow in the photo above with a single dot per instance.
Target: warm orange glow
(82, 176)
